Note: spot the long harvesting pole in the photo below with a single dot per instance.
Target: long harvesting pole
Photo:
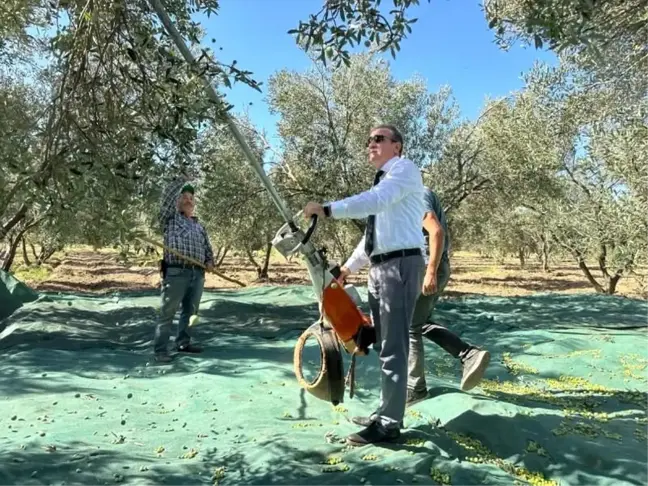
(211, 93)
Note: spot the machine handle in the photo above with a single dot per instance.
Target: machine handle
(311, 229)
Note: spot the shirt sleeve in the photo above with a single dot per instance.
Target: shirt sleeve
(169, 201)
(397, 183)
(430, 202)
(358, 258)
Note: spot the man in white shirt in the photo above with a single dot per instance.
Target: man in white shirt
(392, 244)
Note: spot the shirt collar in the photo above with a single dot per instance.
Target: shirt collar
(389, 164)
(193, 218)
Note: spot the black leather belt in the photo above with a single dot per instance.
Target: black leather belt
(383, 257)
(189, 266)
(183, 265)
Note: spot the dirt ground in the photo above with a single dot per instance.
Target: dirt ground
(82, 269)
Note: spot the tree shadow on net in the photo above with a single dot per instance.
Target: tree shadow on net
(292, 462)
(130, 325)
(626, 403)
(72, 462)
(543, 312)
(285, 460)
(562, 323)
(573, 451)
(274, 461)
(59, 371)
(55, 337)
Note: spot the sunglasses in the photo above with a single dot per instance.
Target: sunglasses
(378, 139)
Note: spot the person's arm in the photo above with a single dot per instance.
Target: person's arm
(435, 237)
(397, 183)
(357, 260)
(169, 201)
(432, 225)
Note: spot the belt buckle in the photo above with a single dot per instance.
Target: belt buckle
(381, 257)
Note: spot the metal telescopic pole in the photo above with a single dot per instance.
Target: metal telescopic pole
(211, 93)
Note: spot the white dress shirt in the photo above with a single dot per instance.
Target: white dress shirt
(398, 203)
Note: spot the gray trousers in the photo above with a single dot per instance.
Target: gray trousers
(394, 286)
(420, 327)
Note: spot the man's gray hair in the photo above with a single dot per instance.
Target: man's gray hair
(396, 134)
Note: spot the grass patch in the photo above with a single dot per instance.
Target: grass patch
(35, 273)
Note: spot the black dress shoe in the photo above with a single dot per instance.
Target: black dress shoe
(190, 348)
(362, 421)
(373, 434)
(366, 421)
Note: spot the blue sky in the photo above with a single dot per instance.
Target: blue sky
(450, 44)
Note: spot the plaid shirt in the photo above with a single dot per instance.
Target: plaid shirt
(184, 235)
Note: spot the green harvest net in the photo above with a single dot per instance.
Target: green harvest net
(13, 294)
(563, 402)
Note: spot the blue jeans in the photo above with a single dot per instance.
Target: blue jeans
(180, 286)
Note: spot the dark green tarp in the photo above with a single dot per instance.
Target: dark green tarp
(13, 294)
(562, 403)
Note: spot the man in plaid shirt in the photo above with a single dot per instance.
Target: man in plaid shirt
(182, 282)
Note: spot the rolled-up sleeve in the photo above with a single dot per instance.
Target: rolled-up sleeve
(169, 201)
